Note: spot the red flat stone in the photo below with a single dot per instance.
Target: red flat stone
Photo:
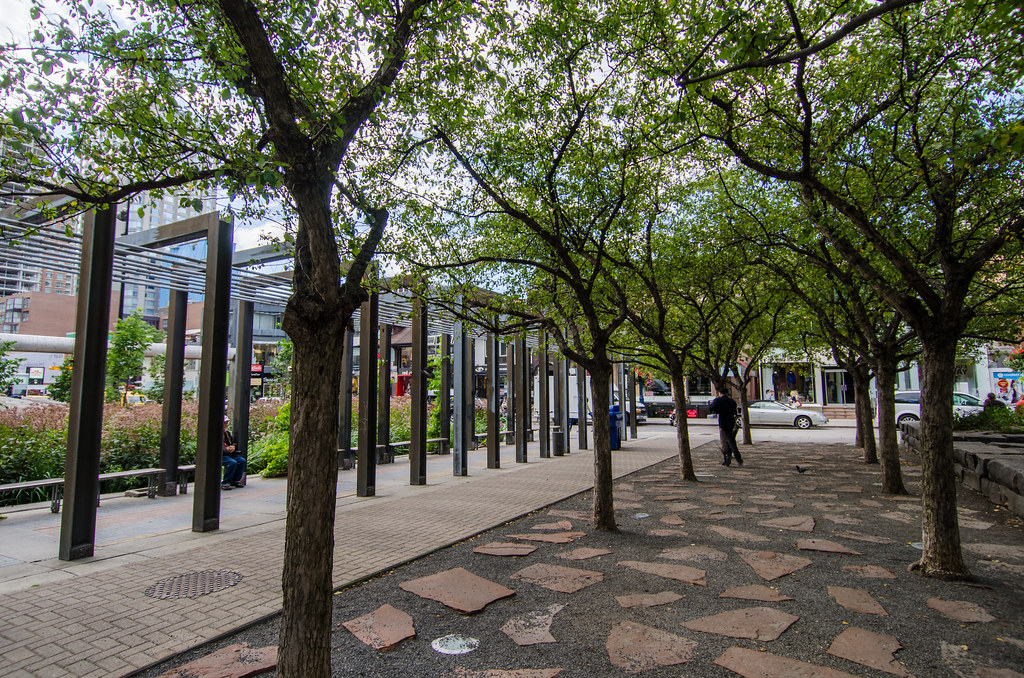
(634, 648)
(960, 610)
(551, 537)
(871, 502)
(690, 575)
(628, 505)
(629, 496)
(460, 672)
(560, 526)
(457, 588)
(870, 571)
(755, 592)
(1007, 551)
(498, 548)
(841, 519)
(571, 515)
(857, 600)
(771, 565)
(694, 554)
(795, 523)
(751, 664)
(668, 533)
(584, 553)
(773, 503)
(825, 546)
(990, 672)
(721, 501)
(867, 648)
(736, 535)
(383, 628)
(648, 599)
(681, 506)
(672, 519)
(755, 623)
(719, 514)
(900, 517)
(233, 661)
(532, 628)
(558, 578)
(860, 536)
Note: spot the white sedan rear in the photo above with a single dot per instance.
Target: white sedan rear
(774, 413)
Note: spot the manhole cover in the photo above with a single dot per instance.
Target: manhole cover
(193, 584)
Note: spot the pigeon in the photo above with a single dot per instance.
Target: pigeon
(800, 470)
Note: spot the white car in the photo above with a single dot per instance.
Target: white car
(774, 413)
(908, 405)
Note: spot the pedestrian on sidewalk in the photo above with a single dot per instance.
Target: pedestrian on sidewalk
(726, 409)
(234, 463)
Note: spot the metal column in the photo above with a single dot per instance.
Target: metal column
(418, 437)
(463, 380)
(522, 400)
(493, 415)
(510, 392)
(543, 397)
(559, 437)
(174, 381)
(213, 377)
(581, 405)
(620, 386)
(444, 397)
(366, 465)
(631, 385)
(384, 453)
(85, 417)
(243, 371)
(346, 460)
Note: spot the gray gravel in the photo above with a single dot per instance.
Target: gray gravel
(933, 644)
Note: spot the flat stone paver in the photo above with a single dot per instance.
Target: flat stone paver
(502, 673)
(696, 554)
(497, 548)
(857, 600)
(871, 649)
(960, 610)
(635, 647)
(532, 628)
(770, 564)
(755, 623)
(870, 571)
(683, 573)
(550, 537)
(558, 577)
(752, 664)
(383, 628)
(559, 526)
(794, 523)
(584, 553)
(825, 546)
(458, 588)
(755, 592)
(648, 599)
(234, 661)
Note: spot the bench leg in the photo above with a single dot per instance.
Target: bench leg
(56, 494)
(151, 486)
(182, 483)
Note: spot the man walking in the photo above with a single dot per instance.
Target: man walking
(725, 407)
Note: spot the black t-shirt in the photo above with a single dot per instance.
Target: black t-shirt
(726, 409)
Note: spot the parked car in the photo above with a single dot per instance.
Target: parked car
(908, 405)
(774, 413)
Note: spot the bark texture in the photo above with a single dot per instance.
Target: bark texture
(600, 392)
(686, 470)
(862, 401)
(892, 473)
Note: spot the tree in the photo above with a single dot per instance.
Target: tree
(268, 101)
(905, 144)
(8, 366)
(127, 352)
(60, 389)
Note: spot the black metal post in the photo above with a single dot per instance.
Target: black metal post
(418, 438)
(493, 403)
(463, 434)
(445, 395)
(174, 382)
(243, 378)
(522, 400)
(631, 385)
(543, 397)
(558, 436)
(366, 466)
(510, 391)
(347, 460)
(581, 405)
(213, 377)
(384, 454)
(85, 417)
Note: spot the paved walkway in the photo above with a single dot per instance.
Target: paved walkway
(92, 618)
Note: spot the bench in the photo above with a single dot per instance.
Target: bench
(183, 472)
(56, 485)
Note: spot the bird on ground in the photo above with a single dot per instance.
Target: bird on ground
(801, 470)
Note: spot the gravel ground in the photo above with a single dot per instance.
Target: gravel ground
(838, 491)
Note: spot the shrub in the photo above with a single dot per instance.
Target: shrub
(32, 444)
(998, 419)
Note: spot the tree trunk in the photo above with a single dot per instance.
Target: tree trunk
(686, 470)
(744, 415)
(862, 398)
(892, 473)
(315, 320)
(600, 392)
(940, 532)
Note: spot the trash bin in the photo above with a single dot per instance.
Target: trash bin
(614, 417)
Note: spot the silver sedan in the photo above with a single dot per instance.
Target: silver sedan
(773, 413)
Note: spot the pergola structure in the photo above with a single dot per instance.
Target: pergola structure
(103, 258)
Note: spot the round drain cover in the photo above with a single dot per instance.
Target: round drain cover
(455, 644)
(193, 584)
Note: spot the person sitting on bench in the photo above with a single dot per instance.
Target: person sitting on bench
(234, 464)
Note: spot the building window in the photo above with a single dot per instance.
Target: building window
(698, 386)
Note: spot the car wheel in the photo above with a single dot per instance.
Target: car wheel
(907, 417)
(803, 421)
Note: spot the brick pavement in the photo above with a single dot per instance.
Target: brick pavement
(97, 621)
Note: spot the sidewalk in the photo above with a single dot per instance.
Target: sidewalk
(92, 617)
